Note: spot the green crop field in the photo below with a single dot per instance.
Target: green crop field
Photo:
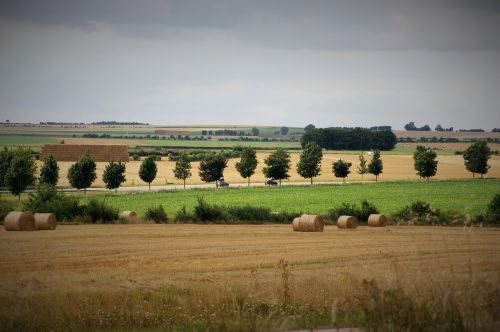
(470, 197)
(27, 140)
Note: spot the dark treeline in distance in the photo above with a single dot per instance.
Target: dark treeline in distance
(350, 139)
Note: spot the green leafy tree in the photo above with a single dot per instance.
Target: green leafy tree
(6, 156)
(182, 170)
(476, 158)
(21, 172)
(255, 131)
(376, 165)
(114, 175)
(284, 130)
(148, 170)
(309, 164)
(248, 163)
(425, 162)
(277, 165)
(49, 173)
(212, 168)
(341, 169)
(362, 168)
(82, 173)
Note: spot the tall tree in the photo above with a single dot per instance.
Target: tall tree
(6, 156)
(148, 170)
(277, 165)
(476, 158)
(114, 175)
(82, 173)
(284, 130)
(341, 169)
(49, 173)
(248, 163)
(376, 166)
(309, 127)
(255, 131)
(425, 162)
(21, 172)
(362, 168)
(182, 170)
(309, 164)
(212, 168)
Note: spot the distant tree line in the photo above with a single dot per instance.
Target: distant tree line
(411, 127)
(350, 139)
(479, 130)
(119, 123)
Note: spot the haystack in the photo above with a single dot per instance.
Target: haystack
(308, 223)
(377, 220)
(19, 221)
(347, 222)
(130, 216)
(45, 221)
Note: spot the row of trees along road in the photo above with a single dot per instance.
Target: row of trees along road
(18, 168)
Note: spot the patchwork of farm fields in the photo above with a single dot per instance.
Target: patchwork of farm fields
(469, 197)
(219, 277)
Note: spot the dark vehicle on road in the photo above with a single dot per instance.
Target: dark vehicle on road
(271, 182)
(221, 183)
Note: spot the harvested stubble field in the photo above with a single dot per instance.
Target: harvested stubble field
(396, 167)
(199, 277)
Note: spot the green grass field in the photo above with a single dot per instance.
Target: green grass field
(218, 144)
(9, 140)
(470, 197)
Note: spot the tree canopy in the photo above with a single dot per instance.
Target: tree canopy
(114, 175)
(376, 166)
(148, 170)
(309, 164)
(476, 158)
(212, 168)
(82, 173)
(425, 163)
(341, 169)
(248, 163)
(182, 170)
(277, 165)
(21, 172)
(49, 173)
(350, 139)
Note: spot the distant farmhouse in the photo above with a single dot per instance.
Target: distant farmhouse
(70, 152)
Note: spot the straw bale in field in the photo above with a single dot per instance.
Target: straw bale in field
(129, 215)
(45, 221)
(308, 223)
(19, 221)
(377, 220)
(347, 222)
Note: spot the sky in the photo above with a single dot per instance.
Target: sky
(282, 62)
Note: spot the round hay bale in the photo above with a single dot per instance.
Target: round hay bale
(347, 222)
(128, 215)
(45, 221)
(309, 223)
(377, 220)
(19, 221)
(295, 224)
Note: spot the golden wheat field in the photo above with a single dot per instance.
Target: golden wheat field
(396, 167)
(234, 277)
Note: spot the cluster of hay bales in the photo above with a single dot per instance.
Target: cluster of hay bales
(26, 221)
(350, 222)
(314, 223)
(308, 223)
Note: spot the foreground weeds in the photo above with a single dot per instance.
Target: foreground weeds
(289, 302)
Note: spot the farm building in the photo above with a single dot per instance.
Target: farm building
(70, 152)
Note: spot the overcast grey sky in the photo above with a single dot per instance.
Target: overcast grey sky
(331, 63)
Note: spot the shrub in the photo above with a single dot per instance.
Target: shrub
(183, 216)
(494, 209)
(157, 214)
(249, 213)
(5, 208)
(207, 212)
(421, 213)
(135, 157)
(46, 199)
(346, 209)
(100, 211)
(284, 217)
